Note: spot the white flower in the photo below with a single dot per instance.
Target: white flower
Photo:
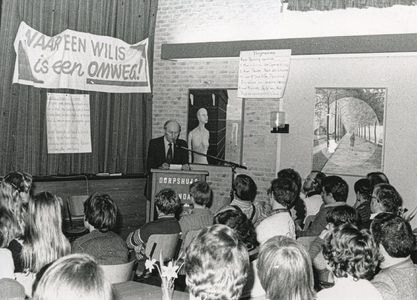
(169, 271)
(149, 264)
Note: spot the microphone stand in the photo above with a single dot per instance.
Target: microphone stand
(230, 164)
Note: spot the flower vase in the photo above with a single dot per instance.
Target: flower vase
(167, 289)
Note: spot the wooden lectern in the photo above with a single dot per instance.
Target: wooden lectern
(177, 180)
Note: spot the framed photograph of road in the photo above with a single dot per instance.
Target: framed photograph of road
(349, 130)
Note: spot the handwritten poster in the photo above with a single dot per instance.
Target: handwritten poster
(81, 61)
(68, 123)
(263, 74)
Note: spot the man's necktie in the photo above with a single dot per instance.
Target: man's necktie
(169, 154)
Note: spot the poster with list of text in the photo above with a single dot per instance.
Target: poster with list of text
(68, 123)
(263, 74)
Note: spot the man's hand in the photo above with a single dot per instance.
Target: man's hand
(185, 167)
(165, 166)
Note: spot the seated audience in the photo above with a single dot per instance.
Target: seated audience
(216, 264)
(353, 257)
(285, 271)
(105, 246)
(299, 207)
(244, 194)
(363, 190)
(385, 198)
(335, 217)
(335, 193)
(75, 276)
(200, 216)
(312, 189)
(283, 193)
(237, 220)
(167, 205)
(397, 279)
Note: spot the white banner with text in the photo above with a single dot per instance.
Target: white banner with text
(81, 61)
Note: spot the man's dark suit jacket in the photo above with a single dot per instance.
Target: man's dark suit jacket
(156, 153)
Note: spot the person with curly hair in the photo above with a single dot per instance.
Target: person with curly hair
(353, 256)
(216, 264)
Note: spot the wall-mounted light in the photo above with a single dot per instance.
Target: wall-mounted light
(278, 122)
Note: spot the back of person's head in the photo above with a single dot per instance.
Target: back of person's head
(244, 187)
(394, 234)
(377, 177)
(343, 214)
(167, 201)
(15, 192)
(285, 270)
(201, 192)
(388, 197)
(284, 191)
(100, 211)
(240, 223)
(76, 276)
(216, 264)
(44, 240)
(350, 251)
(9, 227)
(364, 187)
(337, 187)
(291, 174)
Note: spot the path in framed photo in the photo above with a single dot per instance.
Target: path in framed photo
(349, 131)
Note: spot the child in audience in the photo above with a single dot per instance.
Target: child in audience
(216, 264)
(397, 279)
(285, 271)
(335, 193)
(9, 229)
(353, 257)
(167, 205)
(76, 276)
(105, 246)
(282, 193)
(299, 208)
(200, 216)
(237, 220)
(377, 177)
(244, 194)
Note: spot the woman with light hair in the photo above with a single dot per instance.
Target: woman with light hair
(285, 270)
(75, 276)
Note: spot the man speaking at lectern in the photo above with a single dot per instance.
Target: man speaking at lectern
(167, 149)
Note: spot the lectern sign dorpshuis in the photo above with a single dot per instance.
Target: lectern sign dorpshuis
(177, 180)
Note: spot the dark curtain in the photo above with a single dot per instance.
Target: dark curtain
(309, 5)
(120, 123)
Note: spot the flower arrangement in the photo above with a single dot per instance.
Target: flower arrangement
(168, 273)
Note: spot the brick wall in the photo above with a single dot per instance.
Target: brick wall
(185, 21)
